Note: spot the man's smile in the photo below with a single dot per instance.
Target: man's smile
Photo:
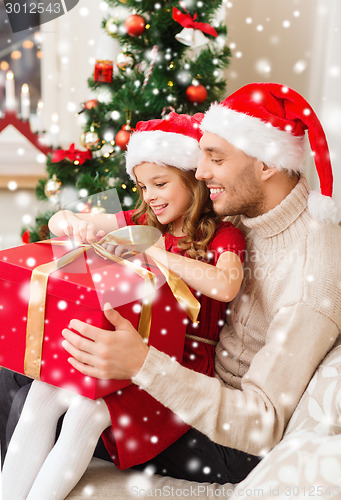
(215, 192)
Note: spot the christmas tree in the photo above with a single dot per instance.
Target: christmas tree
(172, 58)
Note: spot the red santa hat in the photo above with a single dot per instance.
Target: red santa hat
(172, 141)
(268, 121)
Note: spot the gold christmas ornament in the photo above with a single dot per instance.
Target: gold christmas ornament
(112, 26)
(91, 140)
(98, 209)
(52, 187)
(125, 60)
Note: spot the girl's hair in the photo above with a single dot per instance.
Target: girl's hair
(200, 221)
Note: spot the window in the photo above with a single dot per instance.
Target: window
(21, 54)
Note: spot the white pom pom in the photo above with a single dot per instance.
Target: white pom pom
(323, 208)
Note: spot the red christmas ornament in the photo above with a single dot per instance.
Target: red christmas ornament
(25, 238)
(123, 136)
(86, 208)
(92, 103)
(135, 25)
(103, 71)
(196, 93)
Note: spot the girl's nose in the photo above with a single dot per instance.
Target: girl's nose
(149, 195)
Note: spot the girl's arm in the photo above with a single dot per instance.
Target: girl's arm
(221, 282)
(82, 227)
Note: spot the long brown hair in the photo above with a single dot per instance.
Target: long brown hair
(200, 220)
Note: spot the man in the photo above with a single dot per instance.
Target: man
(287, 315)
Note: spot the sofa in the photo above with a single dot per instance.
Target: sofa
(306, 462)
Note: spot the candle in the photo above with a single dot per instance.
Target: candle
(10, 91)
(40, 110)
(25, 102)
(54, 130)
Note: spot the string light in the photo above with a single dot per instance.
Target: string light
(4, 65)
(16, 54)
(28, 44)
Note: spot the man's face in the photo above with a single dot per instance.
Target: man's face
(234, 179)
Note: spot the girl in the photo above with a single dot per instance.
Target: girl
(204, 251)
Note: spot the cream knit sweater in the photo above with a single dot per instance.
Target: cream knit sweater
(285, 319)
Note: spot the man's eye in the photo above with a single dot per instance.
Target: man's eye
(217, 161)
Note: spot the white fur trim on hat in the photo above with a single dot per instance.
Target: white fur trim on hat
(163, 148)
(323, 208)
(274, 147)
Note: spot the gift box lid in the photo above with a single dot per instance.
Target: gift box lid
(92, 280)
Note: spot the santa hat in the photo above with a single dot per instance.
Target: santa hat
(268, 121)
(172, 141)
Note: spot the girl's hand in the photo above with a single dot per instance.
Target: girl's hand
(80, 230)
(119, 250)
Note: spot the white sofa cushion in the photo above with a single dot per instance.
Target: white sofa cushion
(104, 481)
(307, 462)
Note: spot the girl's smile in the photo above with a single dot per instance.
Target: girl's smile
(165, 192)
(158, 209)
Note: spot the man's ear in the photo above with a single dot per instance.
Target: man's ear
(267, 171)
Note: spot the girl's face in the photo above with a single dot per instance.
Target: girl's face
(165, 192)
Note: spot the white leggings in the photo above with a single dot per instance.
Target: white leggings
(37, 469)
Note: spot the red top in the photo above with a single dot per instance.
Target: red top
(198, 356)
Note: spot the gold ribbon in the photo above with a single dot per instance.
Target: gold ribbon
(138, 238)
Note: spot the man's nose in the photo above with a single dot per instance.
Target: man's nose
(203, 171)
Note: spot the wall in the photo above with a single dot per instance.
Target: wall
(264, 48)
(297, 43)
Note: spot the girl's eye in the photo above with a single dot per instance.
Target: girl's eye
(161, 184)
(143, 188)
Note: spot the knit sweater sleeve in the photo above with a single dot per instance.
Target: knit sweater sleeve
(252, 419)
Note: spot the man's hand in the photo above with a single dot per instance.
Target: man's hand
(105, 354)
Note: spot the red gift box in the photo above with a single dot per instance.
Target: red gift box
(79, 290)
(103, 71)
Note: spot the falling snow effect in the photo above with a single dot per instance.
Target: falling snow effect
(323, 464)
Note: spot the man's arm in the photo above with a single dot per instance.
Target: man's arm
(252, 419)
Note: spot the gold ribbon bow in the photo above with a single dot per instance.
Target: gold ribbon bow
(138, 238)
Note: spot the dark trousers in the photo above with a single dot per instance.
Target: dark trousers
(193, 457)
